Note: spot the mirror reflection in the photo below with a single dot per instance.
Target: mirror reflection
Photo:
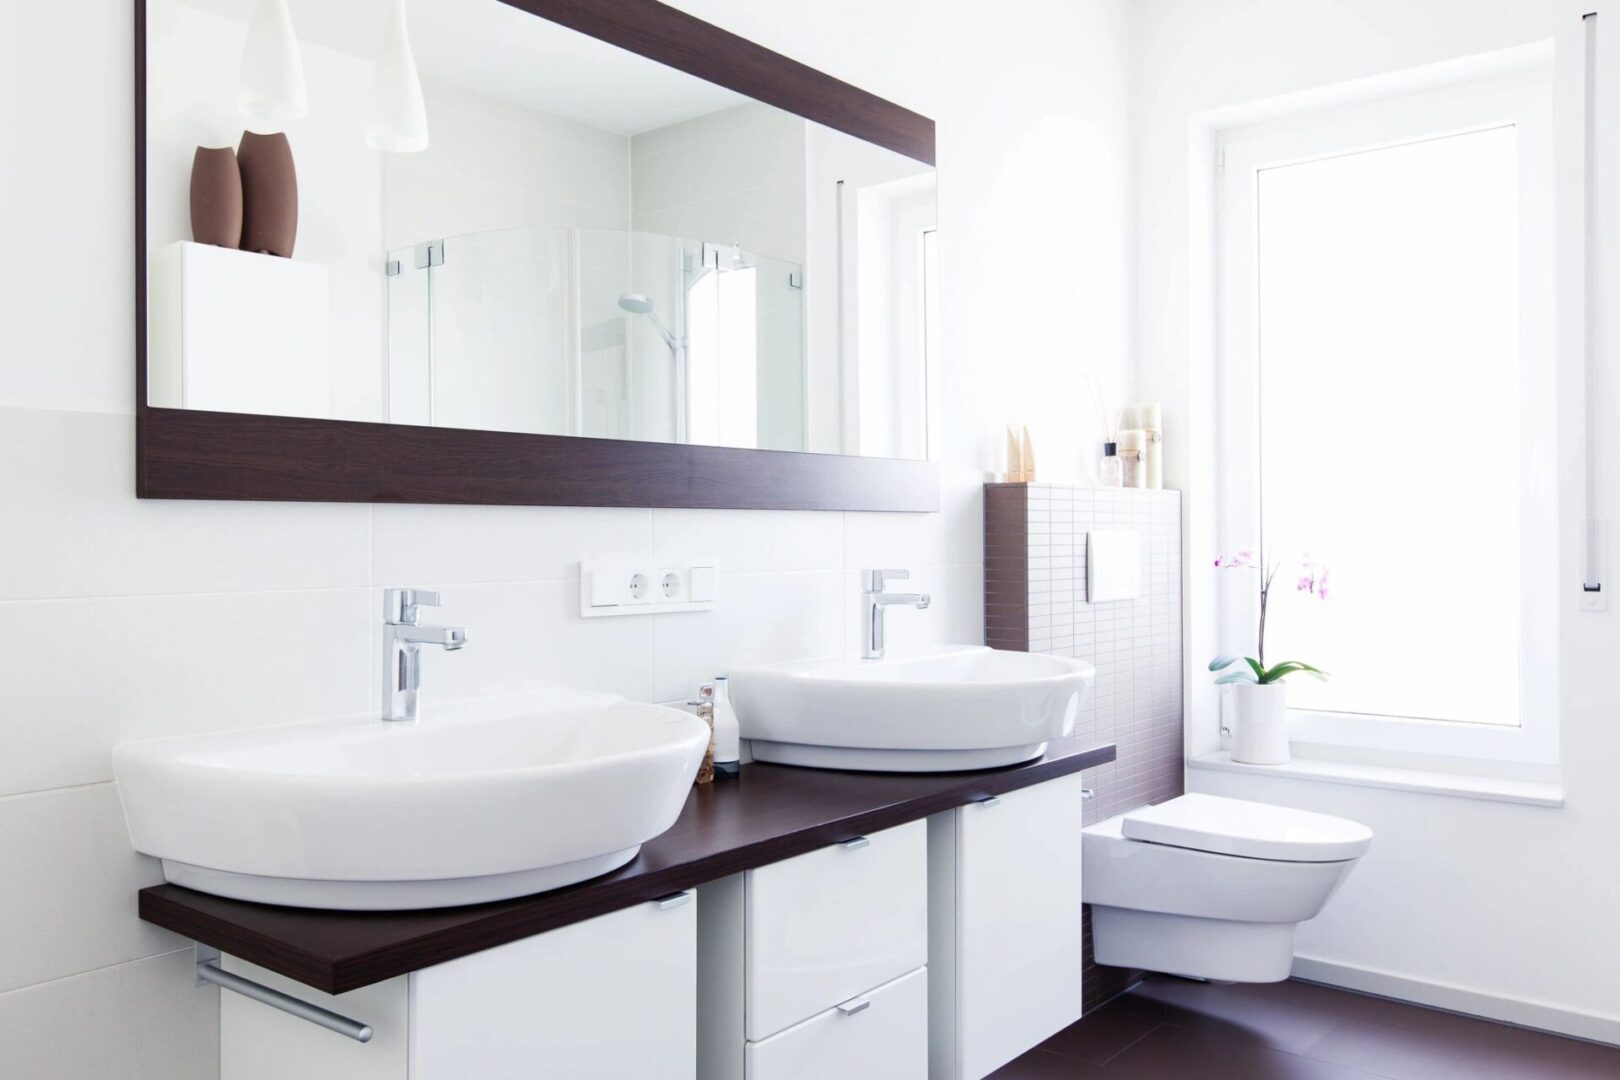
(454, 213)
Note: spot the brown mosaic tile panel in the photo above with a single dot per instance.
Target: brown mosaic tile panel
(1035, 601)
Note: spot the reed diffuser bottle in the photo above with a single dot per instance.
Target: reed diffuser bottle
(1110, 471)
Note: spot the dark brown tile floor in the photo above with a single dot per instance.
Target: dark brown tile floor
(1170, 1028)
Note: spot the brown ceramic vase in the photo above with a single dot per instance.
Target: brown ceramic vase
(216, 197)
(269, 194)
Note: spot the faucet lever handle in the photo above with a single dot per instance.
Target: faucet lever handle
(400, 605)
(877, 579)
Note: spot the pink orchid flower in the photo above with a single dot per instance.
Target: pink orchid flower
(1313, 578)
(1243, 557)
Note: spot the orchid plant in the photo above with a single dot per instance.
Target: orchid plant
(1312, 580)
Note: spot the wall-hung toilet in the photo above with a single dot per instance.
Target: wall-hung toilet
(1211, 887)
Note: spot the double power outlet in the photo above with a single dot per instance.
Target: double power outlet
(631, 589)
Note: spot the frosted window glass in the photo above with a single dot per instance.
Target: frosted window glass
(1389, 371)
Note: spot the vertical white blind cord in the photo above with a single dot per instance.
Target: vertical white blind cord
(1591, 573)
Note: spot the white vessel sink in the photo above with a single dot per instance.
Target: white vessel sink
(941, 709)
(496, 799)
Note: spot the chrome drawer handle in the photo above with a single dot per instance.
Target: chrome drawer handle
(855, 843)
(1087, 793)
(988, 801)
(673, 900)
(855, 1005)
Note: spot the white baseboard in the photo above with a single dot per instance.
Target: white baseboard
(1437, 995)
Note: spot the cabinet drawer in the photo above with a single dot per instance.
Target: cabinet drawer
(612, 998)
(1019, 952)
(882, 1035)
(830, 924)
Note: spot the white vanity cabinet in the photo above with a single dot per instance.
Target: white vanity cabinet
(610, 998)
(1005, 947)
(816, 966)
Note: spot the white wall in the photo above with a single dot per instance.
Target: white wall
(1035, 202)
(1503, 909)
(124, 619)
(735, 176)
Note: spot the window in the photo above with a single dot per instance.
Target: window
(723, 359)
(1387, 408)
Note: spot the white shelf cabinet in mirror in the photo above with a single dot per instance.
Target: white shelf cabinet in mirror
(236, 331)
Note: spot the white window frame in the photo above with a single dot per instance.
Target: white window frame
(1521, 97)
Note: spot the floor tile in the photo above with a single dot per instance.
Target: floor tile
(1040, 1065)
(1168, 1028)
(1103, 1034)
(1282, 1016)
(1210, 1054)
(1440, 1046)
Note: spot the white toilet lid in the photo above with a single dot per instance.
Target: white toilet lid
(1250, 829)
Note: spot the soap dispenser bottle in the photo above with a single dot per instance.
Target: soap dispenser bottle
(727, 733)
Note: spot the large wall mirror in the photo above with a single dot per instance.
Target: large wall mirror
(564, 252)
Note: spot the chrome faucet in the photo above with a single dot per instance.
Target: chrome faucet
(873, 602)
(403, 638)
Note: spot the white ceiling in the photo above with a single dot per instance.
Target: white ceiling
(495, 49)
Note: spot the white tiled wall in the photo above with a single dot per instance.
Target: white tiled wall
(121, 618)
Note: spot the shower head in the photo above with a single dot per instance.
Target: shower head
(641, 304)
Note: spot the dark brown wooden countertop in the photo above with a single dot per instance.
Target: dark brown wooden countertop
(771, 812)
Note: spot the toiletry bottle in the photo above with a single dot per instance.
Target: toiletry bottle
(1150, 418)
(727, 741)
(1132, 443)
(704, 708)
(1109, 469)
(1015, 455)
(1026, 454)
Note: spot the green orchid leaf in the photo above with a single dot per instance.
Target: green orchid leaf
(1259, 672)
(1298, 665)
(1277, 672)
(1222, 661)
(1235, 677)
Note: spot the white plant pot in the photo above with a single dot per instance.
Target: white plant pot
(1259, 723)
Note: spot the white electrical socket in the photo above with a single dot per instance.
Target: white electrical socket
(638, 587)
(672, 586)
(620, 589)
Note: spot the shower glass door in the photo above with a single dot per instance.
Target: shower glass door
(606, 333)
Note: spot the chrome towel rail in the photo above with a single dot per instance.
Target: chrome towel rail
(208, 971)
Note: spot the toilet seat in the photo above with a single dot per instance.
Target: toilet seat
(1247, 829)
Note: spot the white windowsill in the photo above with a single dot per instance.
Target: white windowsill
(1429, 782)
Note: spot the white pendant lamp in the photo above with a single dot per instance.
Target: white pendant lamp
(397, 121)
(271, 82)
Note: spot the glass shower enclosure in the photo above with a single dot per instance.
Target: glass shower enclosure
(604, 333)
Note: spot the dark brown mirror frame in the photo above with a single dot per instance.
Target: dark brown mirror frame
(191, 454)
